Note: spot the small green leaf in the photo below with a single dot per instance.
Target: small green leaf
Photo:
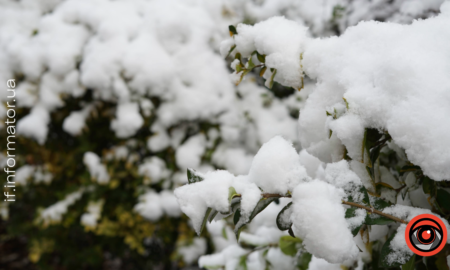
(250, 64)
(232, 30)
(238, 57)
(409, 168)
(283, 226)
(237, 216)
(349, 213)
(231, 49)
(328, 114)
(193, 176)
(261, 58)
(263, 70)
(205, 218)
(288, 245)
(291, 232)
(224, 233)
(410, 264)
(443, 199)
(243, 262)
(303, 260)
(429, 186)
(262, 204)
(231, 194)
(212, 215)
(385, 251)
(330, 132)
(374, 219)
(346, 103)
(272, 78)
(380, 204)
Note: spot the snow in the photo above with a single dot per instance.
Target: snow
(317, 205)
(35, 124)
(153, 206)
(267, 37)
(154, 169)
(96, 168)
(263, 236)
(339, 175)
(75, 122)
(382, 95)
(276, 167)
(128, 120)
(189, 154)
(212, 192)
(278, 258)
(228, 257)
(192, 252)
(310, 162)
(92, 215)
(321, 264)
(23, 174)
(54, 213)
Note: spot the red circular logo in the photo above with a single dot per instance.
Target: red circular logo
(426, 235)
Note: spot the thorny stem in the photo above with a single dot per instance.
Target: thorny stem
(371, 210)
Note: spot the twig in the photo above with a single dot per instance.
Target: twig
(375, 211)
(371, 210)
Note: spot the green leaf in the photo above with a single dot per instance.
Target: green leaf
(235, 204)
(231, 194)
(232, 30)
(263, 70)
(243, 262)
(288, 245)
(212, 215)
(237, 216)
(272, 78)
(281, 216)
(429, 186)
(231, 49)
(261, 58)
(239, 57)
(410, 264)
(262, 204)
(346, 103)
(409, 168)
(224, 233)
(303, 260)
(193, 176)
(380, 204)
(443, 199)
(349, 213)
(374, 219)
(330, 133)
(365, 199)
(291, 232)
(250, 64)
(385, 251)
(205, 218)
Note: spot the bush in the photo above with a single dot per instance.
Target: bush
(116, 99)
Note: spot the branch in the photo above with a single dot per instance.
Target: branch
(375, 211)
(371, 210)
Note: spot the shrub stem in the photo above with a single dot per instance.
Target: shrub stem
(371, 210)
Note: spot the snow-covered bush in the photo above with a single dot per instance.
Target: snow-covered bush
(375, 149)
(116, 99)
